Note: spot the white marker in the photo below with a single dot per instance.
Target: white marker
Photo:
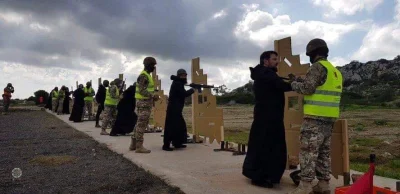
(288, 62)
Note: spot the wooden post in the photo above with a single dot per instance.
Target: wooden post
(346, 158)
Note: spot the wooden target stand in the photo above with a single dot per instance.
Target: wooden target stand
(294, 116)
(207, 119)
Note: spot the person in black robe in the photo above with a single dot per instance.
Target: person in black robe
(79, 103)
(126, 116)
(266, 157)
(175, 130)
(100, 98)
(65, 109)
(49, 104)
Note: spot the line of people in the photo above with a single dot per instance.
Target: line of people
(266, 157)
(129, 111)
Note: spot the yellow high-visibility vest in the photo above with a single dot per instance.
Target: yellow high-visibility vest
(88, 91)
(55, 95)
(110, 101)
(325, 102)
(150, 87)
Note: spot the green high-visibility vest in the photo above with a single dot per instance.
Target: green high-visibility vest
(88, 91)
(325, 102)
(55, 95)
(110, 101)
(150, 87)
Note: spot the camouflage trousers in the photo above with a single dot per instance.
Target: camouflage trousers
(88, 107)
(143, 110)
(315, 148)
(109, 116)
(60, 105)
(54, 103)
(6, 103)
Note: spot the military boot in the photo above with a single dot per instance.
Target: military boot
(303, 188)
(141, 149)
(104, 132)
(322, 187)
(133, 144)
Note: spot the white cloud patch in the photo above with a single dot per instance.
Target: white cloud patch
(219, 14)
(263, 28)
(381, 41)
(11, 17)
(347, 7)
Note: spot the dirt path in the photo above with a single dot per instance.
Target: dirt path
(55, 158)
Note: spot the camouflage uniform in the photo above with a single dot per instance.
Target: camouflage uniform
(143, 108)
(54, 102)
(110, 112)
(315, 132)
(88, 104)
(60, 100)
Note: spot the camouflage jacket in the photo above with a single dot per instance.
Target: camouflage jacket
(142, 83)
(113, 92)
(316, 76)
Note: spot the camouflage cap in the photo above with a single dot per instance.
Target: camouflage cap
(9, 85)
(315, 44)
(149, 61)
(180, 72)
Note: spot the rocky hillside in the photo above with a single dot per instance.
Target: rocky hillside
(374, 82)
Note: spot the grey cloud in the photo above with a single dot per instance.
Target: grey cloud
(163, 28)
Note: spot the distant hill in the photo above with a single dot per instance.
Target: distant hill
(370, 83)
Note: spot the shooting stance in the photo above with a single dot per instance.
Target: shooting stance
(322, 88)
(175, 126)
(144, 102)
(89, 93)
(8, 90)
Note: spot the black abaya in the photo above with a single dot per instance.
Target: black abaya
(79, 103)
(126, 116)
(266, 156)
(65, 109)
(49, 104)
(175, 126)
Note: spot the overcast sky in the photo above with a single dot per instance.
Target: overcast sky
(44, 44)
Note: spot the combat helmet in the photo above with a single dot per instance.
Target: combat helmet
(180, 72)
(315, 44)
(149, 61)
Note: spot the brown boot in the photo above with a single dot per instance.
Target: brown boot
(141, 149)
(133, 144)
(322, 187)
(303, 188)
(104, 132)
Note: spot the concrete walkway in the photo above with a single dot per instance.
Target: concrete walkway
(197, 168)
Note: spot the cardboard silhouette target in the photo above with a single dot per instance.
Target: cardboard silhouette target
(294, 115)
(207, 119)
(159, 106)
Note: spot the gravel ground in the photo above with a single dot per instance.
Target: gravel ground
(55, 158)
